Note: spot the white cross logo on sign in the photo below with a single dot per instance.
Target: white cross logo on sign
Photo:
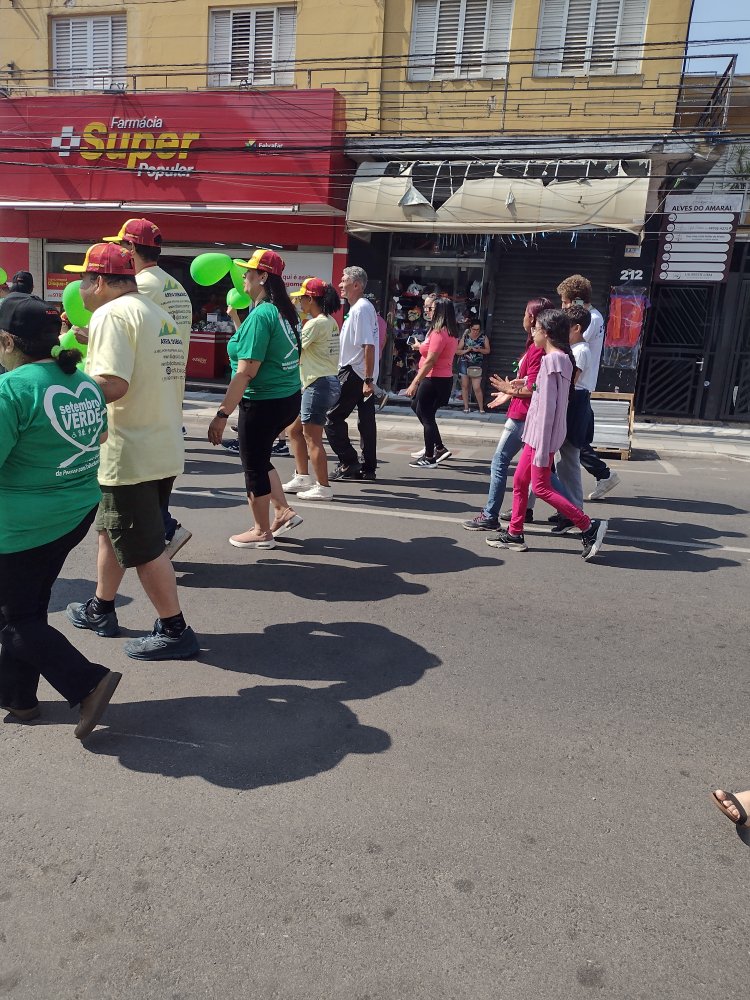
(66, 141)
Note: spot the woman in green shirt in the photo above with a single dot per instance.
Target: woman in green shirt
(52, 419)
(264, 355)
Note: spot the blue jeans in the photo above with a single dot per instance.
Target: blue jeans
(508, 447)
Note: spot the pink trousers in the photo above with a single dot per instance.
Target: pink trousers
(528, 474)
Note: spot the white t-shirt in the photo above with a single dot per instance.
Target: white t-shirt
(360, 328)
(168, 293)
(135, 340)
(582, 354)
(594, 337)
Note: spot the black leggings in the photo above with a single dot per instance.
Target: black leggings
(432, 393)
(259, 424)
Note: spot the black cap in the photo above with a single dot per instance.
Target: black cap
(22, 281)
(30, 318)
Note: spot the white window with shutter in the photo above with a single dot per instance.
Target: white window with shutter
(460, 39)
(89, 52)
(581, 37)
(252, 45)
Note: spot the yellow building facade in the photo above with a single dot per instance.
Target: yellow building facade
(404, 66)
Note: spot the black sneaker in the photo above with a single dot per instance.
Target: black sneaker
(82, 616)
(592, 538)
(233, 445)
(554, 518)
(482, 523)
(423, 463)
(504, 540)
(528, 518)
(281, 449)
(366, 475)
(158, 646)
(562, 526)
(441, 454)
(345, 472)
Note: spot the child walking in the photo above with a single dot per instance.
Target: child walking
(544, 432)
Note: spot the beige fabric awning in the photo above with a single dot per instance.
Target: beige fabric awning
(496, 204)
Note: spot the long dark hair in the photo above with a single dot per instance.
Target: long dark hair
(277, 294)
(444, 317)
(556, 325)
(329, 302)
(533, 308)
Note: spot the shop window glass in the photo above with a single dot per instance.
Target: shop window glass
(254, 46)
(89, 52)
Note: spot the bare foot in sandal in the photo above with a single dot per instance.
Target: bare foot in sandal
(734, 805)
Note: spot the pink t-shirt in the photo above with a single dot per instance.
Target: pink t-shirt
(529, 369)
(442, 342)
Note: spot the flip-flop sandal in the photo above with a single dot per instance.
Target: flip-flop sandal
(736, 803)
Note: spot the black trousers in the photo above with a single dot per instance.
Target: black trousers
(337, 431)
(432, 393)
(259, 423)
(29, 646)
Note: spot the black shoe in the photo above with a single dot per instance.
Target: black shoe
(528, 518)
(592, 538)
(82, 616)
(159, 646)
(423, 463)
(233, 445)
(281, 449)
(366, 476)
(562, 526)
(554, 518)
(346, 472)
(504, 540)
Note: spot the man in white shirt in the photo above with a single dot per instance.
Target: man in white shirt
(576, 290)
(358, 373)
(144, 241)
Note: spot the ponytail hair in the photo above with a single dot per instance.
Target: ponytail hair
(556, 325)
(67, 359)
(329, 302)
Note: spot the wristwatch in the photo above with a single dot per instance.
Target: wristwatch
(222, 414)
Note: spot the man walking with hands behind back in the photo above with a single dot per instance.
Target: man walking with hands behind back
(358, 373)
(136, 356)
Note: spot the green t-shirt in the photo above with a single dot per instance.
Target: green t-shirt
(267, 337)
(50, 425)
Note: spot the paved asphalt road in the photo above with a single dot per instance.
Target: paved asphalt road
(406, 766)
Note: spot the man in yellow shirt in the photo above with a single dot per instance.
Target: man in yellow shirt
(136, 355)
(143, 239)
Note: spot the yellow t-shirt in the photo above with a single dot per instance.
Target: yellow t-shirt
(168, 293)
(320, 349)
(133, 339)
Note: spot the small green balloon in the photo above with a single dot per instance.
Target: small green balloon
(208, 268)
(237, 300)
(69, 342)
(3, 276)
(238, 278)
(75, 310)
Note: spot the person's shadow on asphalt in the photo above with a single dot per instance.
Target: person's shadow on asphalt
(273, 733)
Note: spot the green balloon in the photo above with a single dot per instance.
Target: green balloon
(238, 278)
(3, 276)
(69, 342)
(237, 300)
(208, 268)
(75, 310)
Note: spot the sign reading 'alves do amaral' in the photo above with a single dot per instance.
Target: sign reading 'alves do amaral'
(140, 144)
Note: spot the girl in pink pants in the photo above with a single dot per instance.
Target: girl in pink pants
(543, 434)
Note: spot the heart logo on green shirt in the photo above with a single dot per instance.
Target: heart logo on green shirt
(78, 417)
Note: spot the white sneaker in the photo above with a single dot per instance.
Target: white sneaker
(604, 486)
(297, 483)
(418, 454)
(317, 492)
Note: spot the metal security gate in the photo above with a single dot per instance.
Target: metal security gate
(730, 378)
(678, 351)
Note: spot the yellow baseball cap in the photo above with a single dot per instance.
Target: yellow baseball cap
(263, 260)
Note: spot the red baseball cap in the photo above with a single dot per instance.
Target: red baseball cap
(315, 287)
(105, 258)
(139, 231)
(263, 260)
